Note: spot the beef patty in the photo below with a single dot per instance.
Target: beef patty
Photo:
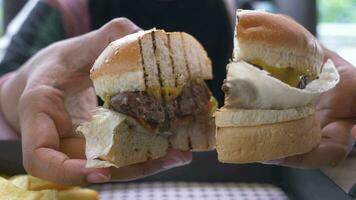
(192, 100)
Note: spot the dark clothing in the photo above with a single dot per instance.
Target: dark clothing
(207, 20)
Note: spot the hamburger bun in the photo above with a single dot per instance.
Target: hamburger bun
(268, 113)
(152, 55)
(261, 140)
(276, 40)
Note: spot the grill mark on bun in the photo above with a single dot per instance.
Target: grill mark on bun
(171, 59)
(179, 58)
(191, 48)
(145, 75)
(190, 75)
(166, 125)
(170, 145)
(189, 90)
(150, 65)
(157, 61)
(149, 154)
(189, 142)
(185, 56)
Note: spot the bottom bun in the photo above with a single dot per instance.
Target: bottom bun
(267, 142)
(114, 139)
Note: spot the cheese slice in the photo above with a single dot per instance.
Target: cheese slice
(252, 88)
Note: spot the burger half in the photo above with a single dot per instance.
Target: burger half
(276, 75)
(152, 83)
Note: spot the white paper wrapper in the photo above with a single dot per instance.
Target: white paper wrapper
(99, 136)
(252, 88)
(115, 139)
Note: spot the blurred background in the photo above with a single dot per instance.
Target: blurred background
(333, 21)
(337, 26)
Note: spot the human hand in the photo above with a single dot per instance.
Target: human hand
(55, 93)
(336, 110)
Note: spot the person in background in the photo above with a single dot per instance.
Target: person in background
(45, 88)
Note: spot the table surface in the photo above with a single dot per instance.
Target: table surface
(189, 190)
(343, 175)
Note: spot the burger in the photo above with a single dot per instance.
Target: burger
(155, 99)
(276, 75)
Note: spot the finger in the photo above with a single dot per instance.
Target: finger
(40, 125)
(335, 144)
(171, 160)
(328, 54)
(81, 105)
(85, 49)
(44, 99)
(73, 147)
(75, 57)
(339, 132)
(353, 131)
(44, 161)
(57, 167)
(273, 162)
(336, 58)
(325, 155)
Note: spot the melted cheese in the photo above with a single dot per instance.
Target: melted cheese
(290, 76)
(154, 91)
(251, 88)
(213, 105)
(170, 93)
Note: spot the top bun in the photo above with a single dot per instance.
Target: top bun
(119, 68)
(274, 40)
(154, 61)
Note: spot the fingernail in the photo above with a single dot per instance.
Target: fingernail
(273, 162)
(97, 178)
(173, 162)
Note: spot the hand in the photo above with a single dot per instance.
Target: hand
(336, 110)
(55, 93)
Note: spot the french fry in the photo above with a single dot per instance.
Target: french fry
(9, 191)
(24, 187)
(20, 181)
(36, 184)
(78, 194)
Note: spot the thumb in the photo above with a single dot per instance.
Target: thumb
(86, 48)
(353, 131)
